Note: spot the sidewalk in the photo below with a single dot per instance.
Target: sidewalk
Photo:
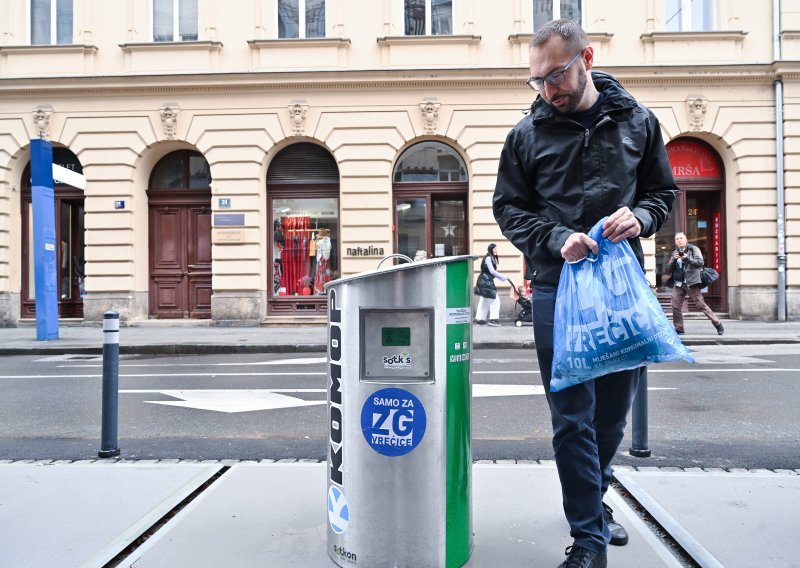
(209, 514)
(198, 337)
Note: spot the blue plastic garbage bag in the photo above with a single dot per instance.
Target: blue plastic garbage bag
(607, 319)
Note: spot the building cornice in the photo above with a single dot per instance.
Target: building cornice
(736, 35)
(49, 49)
(347, 80)
(295, 42)
(428, 39)
(206, 45)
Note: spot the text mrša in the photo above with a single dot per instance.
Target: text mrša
(619, 328)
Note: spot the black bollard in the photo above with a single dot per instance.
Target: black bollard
(639, 445)
(109, 447)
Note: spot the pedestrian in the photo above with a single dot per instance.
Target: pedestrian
(683, 274)
(586, 150)
(488, 301)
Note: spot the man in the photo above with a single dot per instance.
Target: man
(683, 269)
(586, 150)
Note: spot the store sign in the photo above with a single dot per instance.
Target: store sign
(690, 159)
(366, 250)
(716, 239)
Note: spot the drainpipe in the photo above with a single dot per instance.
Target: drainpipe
(779, 157)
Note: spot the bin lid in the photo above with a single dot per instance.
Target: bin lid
(416, 265)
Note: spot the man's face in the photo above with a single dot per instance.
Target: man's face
(680, 241)
(552, 56)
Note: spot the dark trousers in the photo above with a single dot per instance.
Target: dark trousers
(588, 425)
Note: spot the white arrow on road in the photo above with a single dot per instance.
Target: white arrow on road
(249, 400)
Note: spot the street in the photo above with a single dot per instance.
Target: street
(736, 407)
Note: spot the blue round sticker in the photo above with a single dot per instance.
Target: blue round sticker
(338, 510)
(393, 421)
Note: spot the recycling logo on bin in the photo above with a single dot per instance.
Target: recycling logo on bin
(338, 510)
(393, 421)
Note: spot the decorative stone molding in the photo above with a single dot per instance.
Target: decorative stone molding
(430, 115)
(169, 120)
(297, 117)
(41, 121)
(696, 108)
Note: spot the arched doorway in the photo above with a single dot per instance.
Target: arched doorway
(179, 198)
(303, 201)
(69, 214)
(699, 212)
(430, 201)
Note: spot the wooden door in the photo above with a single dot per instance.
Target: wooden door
(180, 261)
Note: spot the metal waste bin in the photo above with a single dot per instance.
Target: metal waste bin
(399, 458)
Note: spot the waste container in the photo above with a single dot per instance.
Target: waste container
(399, 457)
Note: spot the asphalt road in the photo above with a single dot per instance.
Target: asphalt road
(736, 407)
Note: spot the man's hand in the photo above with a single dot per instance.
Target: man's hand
(577, 247)
(621, 225)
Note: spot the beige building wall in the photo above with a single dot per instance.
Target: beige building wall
(362, 87)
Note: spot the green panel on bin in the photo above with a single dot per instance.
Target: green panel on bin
(457, 547)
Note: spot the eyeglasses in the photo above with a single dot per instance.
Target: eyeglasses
(554, 78)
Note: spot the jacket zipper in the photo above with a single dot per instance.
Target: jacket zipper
(587, 132)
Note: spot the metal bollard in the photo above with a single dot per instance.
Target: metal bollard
(109, 447)
(639, 442)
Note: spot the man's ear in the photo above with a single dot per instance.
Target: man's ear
(588, 57)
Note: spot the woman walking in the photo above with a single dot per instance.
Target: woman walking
(488, 302)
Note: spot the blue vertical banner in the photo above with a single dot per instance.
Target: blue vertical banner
(44, 240)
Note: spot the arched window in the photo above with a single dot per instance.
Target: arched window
(303, 198)
(184, 169)
(430, 201)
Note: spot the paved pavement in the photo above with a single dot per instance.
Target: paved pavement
(169, 513)
(187, 337)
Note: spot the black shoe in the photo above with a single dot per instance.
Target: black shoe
(480, 322)
(579, 557)
(720, 329)
(494, 323)
(679, 331)
(619, 536)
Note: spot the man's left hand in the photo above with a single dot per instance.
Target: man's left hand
(621, 225)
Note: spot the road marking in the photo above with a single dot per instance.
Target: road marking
(303, 361)
(249, 400)
(651, 371)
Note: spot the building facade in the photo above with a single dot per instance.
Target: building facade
(238, 157)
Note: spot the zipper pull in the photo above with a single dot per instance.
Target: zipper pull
(586, 138)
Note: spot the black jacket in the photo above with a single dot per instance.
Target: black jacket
(556, 178)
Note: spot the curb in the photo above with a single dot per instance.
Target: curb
(232, 349)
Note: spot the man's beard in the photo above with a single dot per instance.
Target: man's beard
(574, 98)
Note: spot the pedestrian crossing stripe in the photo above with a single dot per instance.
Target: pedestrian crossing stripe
(338, 510)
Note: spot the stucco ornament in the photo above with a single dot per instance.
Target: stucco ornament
(297, 116)
(41, 121)
(169, 120)
(697, 112)
(430, 115)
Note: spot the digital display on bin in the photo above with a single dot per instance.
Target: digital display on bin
(395, 336)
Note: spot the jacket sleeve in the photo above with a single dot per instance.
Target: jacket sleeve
(515, 204)
(655, 189)
(696, 257)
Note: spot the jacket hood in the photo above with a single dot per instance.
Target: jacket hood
(617, 98)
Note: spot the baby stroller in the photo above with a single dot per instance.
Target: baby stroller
(525, 314)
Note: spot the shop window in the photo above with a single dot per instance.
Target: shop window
(430, 201)
(51, 22)
(423, 15)
(174, 20)
(547, 10)
(301, 18)
(689, 15)
(303, 190)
